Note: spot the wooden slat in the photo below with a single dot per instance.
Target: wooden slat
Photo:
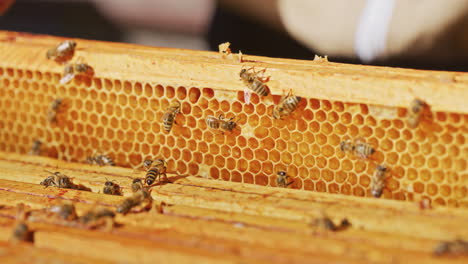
(26, 253)
(207, 219)
(444, 91)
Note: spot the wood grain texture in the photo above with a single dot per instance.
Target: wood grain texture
(215, 221)
(444, 91)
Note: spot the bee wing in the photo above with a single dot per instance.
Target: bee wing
(359, 140)
(247, 95)
(67, 78)
(63, 46)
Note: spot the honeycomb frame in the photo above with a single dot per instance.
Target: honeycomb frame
(119, 111)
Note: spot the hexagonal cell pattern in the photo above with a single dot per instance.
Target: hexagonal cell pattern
(123, 118)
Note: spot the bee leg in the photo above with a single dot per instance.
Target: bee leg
(263, 78)
(159, 207)
(165, 177)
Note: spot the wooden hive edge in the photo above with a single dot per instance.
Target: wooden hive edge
(395, 87)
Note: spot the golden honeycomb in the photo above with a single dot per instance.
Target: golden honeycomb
(122, 116)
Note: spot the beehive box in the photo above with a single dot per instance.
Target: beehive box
(119, 111)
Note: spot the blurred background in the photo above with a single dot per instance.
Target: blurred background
(256, 27)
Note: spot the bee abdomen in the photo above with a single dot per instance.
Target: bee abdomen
(212, 122)
(151, 175)
(291, 103)
(260, 88)
(364, 149)
(168, 121)
(126, 205)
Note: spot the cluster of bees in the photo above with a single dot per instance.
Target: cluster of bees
(98, 217)
(254, 81)
(417, 111)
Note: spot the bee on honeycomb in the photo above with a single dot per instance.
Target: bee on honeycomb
(62, 52)
(254, 82)
(220, 123)
(378, 180)
(286, 106)
(73, 69)
(416, 112)
(170, 115)
(357, 147)
(282, 179)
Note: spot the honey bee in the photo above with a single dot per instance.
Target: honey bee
(286, 106)
(59, 180)
(62, 52)
(73, 69)
(65, 211)
(221, 123)
(97, 217)
(112, 188)
(357, 147)
(20, 233)
(100, 159)
(35, 148)
(281, 179)
(170, 115)
(254, 82)
(378, 180)
(415, 112)
(456, 247)
(137, 185)
(326, 223)
(143, 195)
(156, 169)
(54, 109)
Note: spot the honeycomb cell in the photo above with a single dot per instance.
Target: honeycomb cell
(292, 147)
(261, 154)
(321, 162)
(247, 153)
(261, 132)
(242, 165)
(207, 92)
(321, 139)
(248, 178)
(314, 104)
(400, 146)
(320, 186)
(236, 176)
(255, 166)
(413, 148)
(214, 173)
(314, 127)
(364, 180)
(366, 131)
(358, 191)
(358, 120)
(392, 158)
(445, 190)
(308, 115)
(326, 129)
(220, 162)
(353, 131)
